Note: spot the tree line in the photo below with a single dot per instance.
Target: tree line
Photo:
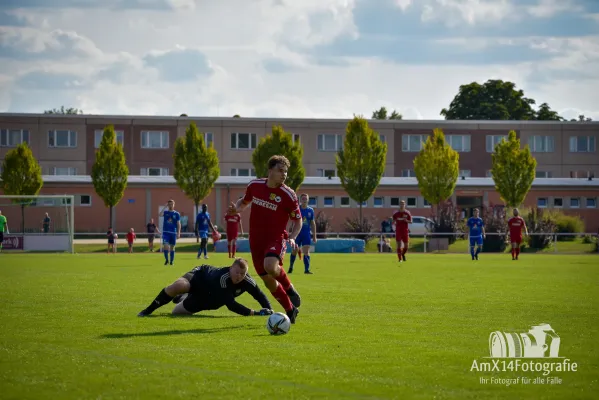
(360, 163)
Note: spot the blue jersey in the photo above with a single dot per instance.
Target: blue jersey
(307, 218)
(169, 225)
(476, 226)
(203, 221)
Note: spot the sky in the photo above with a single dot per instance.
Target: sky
(291, 58)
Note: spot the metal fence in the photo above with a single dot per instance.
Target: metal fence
(575, 243)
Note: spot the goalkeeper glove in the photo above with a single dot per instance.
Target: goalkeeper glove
(263, 312)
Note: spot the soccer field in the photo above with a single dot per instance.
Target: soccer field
(368, 328)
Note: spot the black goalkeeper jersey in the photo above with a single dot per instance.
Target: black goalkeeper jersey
(212, 287)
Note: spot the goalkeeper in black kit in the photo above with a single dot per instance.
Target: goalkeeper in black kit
(210, 288)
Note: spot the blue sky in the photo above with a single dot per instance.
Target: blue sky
(282, 58)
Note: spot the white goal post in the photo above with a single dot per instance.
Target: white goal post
(45, 223)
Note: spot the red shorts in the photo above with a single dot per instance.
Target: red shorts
(516, 239)
(402, 237)
(232, 235)
(260, 249)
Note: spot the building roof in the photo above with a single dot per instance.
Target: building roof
(335, 181)
(281, 120)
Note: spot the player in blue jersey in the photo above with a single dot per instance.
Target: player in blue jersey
(308, 231)
(171, 230)
(476, 228)
(203, 223)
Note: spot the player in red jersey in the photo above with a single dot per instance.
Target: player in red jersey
(273, 204)
(233, 222)
(516, 224)
(401, 219)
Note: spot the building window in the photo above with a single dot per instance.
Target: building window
(408, 173)
(542, 202)
(62, 139)
(383, 138)
(541, 144)
(65, 202)
(329, 202)
(465, 172)
(154, 140)
(326, 173)
(394, 202)
(412, 142)
(154, 171)
(411, 202)
(492, 141)
(574, 202)
(379, 202)
(426, 203)
(364, 203)
(85, 200)
(344, 202)
(209, 139)
(460, 143)
(543, 174)
(591, 202)
(243, 172)
(582, 144)
(296, 138)
(558, 202)
(243, 141)
(13, 137)
(330, 142)
(98, 137)
(313, 201)
(582, 174)
(64, 171)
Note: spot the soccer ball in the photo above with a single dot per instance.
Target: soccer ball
(278, 324)
(116, 236)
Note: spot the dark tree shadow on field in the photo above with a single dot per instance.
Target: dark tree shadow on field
(170, 333)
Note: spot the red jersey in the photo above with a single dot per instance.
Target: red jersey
(401, 219)
(232, 222)
(272, 208)
(516, 225)
(130, 237)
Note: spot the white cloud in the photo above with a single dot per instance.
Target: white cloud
(102, 67)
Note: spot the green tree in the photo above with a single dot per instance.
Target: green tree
(361, 162)
(382, 113)
(581, 118)
(493, 100)
(545, 113)
(21, 175)
(236, 116)
(437, 168)
(110, 171)
(196, 165)
(513, 170)
(63, 110)
(280, 142)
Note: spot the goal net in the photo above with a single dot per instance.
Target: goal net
(38, 223)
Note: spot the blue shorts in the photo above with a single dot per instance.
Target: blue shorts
(203, 234)
(476, 240)
(303, 239)
(169, 238)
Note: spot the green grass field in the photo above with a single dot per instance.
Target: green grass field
(368, 328)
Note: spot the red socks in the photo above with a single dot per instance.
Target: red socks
(517, 252)
(282, 297)
(232, 249)
(399, 252)
(283, 279)
(405, 250)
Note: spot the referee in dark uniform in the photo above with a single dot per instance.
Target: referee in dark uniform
(210, 288)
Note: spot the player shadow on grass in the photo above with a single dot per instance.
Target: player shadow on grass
(169, 333)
